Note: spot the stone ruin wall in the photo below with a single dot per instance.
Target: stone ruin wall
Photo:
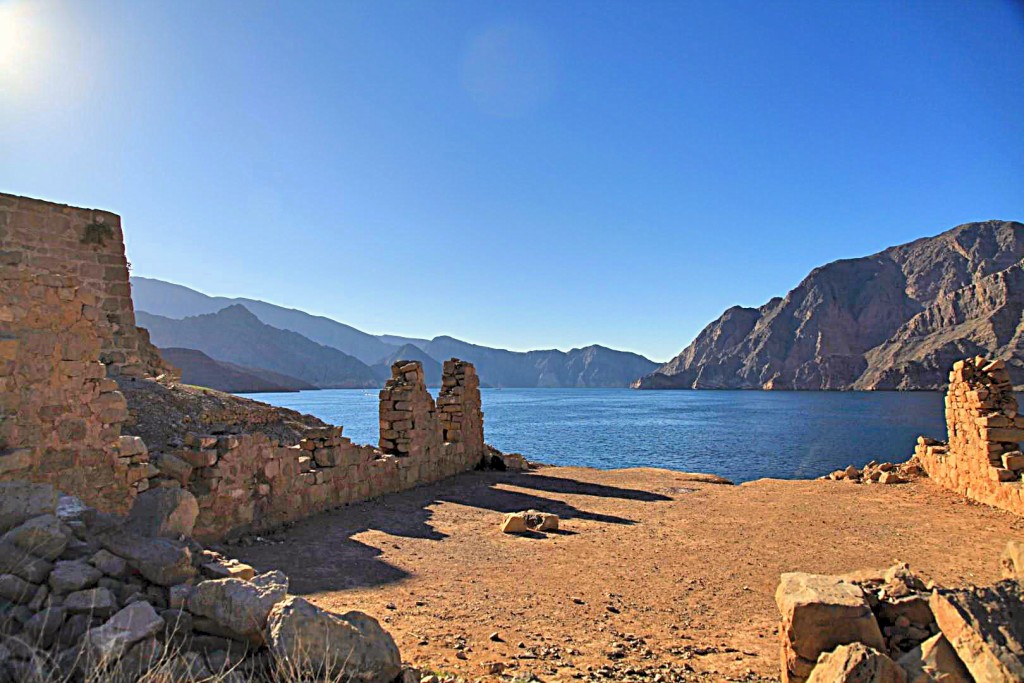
(248, 483)
(982, 458)
(67, 327)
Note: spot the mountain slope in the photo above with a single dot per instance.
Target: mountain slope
(593, 366)
(235, 335)
(200, 370)
(895, 319)
(176, 301)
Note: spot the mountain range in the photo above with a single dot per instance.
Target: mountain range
(325, 353)
(895, 320)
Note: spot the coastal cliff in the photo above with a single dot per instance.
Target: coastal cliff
(894, 320)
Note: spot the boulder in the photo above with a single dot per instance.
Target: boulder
(21, 501)
(73, 575)
(820, 613)
(134, 623)
(98, 602)
(228, 569)
(350, 646)
(240, 607)
(166, 512)
(16, 589)
(934, 661)
(514, 523)
(1011, 562)
(162, 561)
(856, 663)
(530, 520)
(109, 563)
(985, 626)
(42, 628)
(14, 560)
(43, 536)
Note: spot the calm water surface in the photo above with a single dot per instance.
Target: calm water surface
(741, 435)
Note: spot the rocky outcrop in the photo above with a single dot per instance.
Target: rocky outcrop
(125, 613)
(894, 320)
(890, 627)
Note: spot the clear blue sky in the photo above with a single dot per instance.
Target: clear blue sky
(519, 174)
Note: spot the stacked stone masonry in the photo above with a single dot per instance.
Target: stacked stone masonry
(67, 327)
(982, 458)
(248, 482)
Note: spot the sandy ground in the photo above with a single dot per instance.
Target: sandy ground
(652, 574)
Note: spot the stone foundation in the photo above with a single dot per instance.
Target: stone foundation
(67, 328)
(982, 459)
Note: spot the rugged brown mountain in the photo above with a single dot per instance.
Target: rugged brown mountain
(894, 320)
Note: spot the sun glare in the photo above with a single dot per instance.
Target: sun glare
(22, 45)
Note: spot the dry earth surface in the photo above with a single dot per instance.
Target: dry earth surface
(654, 575)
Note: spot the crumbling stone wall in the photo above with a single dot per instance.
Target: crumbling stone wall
(67, 328)
(982, 458)
(66, 323)
(249, 482)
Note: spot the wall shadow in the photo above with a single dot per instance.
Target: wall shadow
(320, 553)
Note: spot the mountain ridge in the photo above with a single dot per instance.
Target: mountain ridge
(590, 366)
(841, 325)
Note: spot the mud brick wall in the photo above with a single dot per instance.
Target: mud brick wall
(65, 305)
(982, 458)
(247, 482)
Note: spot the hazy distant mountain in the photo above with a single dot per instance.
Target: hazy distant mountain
(175, 301)
(593, 366)
(235, 335)
(199, 369)
(894, 320)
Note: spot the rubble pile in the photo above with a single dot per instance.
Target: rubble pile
(86, 595)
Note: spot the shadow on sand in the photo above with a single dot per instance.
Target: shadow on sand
(332, 560)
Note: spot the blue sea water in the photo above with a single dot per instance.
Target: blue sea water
(741, 435)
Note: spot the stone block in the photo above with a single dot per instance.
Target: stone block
(820, 613)
(985, 626)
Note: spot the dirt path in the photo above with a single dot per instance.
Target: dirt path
(652, 572)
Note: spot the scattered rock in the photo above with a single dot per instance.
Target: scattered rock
(351, 644)
(165, 512)
(530, 520)
(1012, 561)
(163, 561)
(21, 501)
(985, 626)
(820, 613)
(109, 564)
(135, 622)
(934, 661)
(71, 576)
(43, 536)
(856, 663)
(98, 602)
(15, 589)
(239, 606)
